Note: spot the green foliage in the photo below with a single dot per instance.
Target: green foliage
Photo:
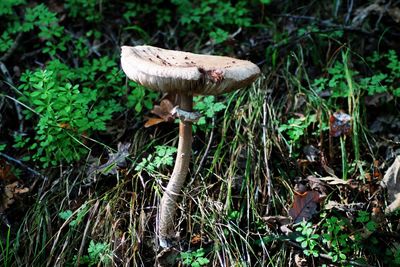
(2, 147)
(86, 9)
(336, 239)
(365, 218)
(79, 215)
(392, 256)
(73, 103)
(98, 253)
(208, 107)
(137, 10)
(208, 19)
(213, 17)
(381, 82)
(6, 6)
(308, 239)
(163, 157)
(296, 127)
(65, 115)
(194, 258)
(140, 98)
(38, 17)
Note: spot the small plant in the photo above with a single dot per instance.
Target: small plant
(80, 215)
(336, 239)
(65, 116)
(138, 9)
(213, 17)
(208, 107)
(393, 255)
(365, 218)
(37, 17)
(194, 258)
(381, 82)
(296, 127)
(163, 157)
(308, 239)
(98, 253)
(90, 10)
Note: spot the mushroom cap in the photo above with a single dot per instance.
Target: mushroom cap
(171, 71)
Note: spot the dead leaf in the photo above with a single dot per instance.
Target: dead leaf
(334, 180)
(163, 111)
(153, 121)
(352, 207)
(196, 239)
(394, 12)
(5, 171)
(115, 161)
(391, 181)
(304, 206)
(10, 193)
(300, 261)
(339, 124)
(317, 184)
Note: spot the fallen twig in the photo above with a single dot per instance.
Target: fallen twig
(23, 165)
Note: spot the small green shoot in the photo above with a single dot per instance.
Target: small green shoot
(163, 157)
(98, 253)
(194, 258)
(308, 239)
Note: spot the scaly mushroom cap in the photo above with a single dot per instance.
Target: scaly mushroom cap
(180, 72)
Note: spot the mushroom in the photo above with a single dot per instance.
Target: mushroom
(185, 74)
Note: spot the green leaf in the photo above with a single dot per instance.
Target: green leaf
(203, 261)
(65, 215)
(2, 147)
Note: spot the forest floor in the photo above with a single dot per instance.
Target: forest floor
(302, 168)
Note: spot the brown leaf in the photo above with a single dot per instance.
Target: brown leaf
(5, 171)
(339, 124)
(300, 261)
(10, 193)
(196, 239)
(163, 111)
(317, 184)
(304, 206)
(153, 121)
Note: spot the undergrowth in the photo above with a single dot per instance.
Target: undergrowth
(87, 176)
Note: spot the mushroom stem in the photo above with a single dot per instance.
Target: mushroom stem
(181, 168)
